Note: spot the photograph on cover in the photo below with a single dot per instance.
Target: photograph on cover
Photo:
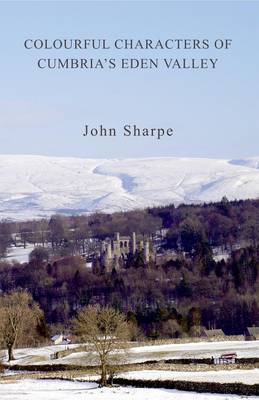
(129, 200)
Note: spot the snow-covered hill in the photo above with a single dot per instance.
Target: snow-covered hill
(38, 186)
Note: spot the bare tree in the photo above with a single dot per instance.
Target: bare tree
(5, 237)
(19, 317)
(39, 255)
(107, 330)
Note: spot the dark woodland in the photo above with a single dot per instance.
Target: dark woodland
(189, 287)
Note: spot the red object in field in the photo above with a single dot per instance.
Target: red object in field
(228, 355)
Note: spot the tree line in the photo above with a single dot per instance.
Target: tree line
(224, 223)
(159, 300)
(169, 299)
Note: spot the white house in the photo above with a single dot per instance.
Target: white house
(57, 339)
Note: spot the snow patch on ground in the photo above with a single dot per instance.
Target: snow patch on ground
(19, 254)
(41, 355)
(200, 349)
(248, 377)
(60, 390)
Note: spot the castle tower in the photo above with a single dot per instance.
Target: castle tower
(141, 245)
(133, 243)
(116, 248)
(146, 252)
(109, 251)
(103, 247)
(116, 263)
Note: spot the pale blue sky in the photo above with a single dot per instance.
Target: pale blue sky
(214, 112)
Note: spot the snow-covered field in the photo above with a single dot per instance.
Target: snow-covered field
(32, 355)
(60, 390)
(249, 377)
(199, 349)
(29, 389)
(38, 186)
(143, 353)
(19, 254)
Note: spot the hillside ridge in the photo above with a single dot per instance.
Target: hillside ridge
(39, 186)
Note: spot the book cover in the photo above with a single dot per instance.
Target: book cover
(129, 184)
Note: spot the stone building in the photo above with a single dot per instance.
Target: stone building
(214, 334)
(114, 252)
(252, 333)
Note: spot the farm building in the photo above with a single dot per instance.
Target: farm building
(57, 339)
(60, 339)
(214, 333)
(201, 331)
(252, 333)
